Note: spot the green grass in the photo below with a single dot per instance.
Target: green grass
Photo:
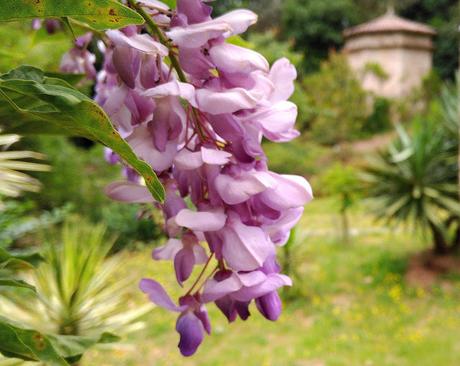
(350, 305)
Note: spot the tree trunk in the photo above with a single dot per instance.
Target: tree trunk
(456, 241)
(345, 226)
(440, 245)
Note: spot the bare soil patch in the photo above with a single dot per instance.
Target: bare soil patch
(425, 269)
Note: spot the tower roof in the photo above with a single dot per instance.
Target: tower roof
(389, 23)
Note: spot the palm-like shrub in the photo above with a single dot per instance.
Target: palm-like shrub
(12, 180)
(450, 102)
(78, 292)
(415, 182)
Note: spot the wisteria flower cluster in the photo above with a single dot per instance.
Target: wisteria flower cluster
(196, 108)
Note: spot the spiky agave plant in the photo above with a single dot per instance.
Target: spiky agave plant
(78, 290)
(415, 181)
(12, 179)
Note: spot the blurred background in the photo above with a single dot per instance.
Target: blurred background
(375, 258)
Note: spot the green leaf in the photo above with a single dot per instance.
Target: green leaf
(13, 282)
(73, 347)
(31, 102)
(72, 79)
(27, 344)
(17, 261)
(9, 261)
(99, 14)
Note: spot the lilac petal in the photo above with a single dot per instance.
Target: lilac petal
(245, 248)
(167, 122)
(128, 192)
(215, 243)
(214, 290)
(279, 118)
(123, 59)
(149, 73)
(270, 305)
(201, 220)
(196, 35)
(154, 3)
(110, 156)
(227, 306)
(159, 129)
(184, 261)
(282, 74)
(253, 278)
(187, 160)
(261, 83)
(173, 202)
(234, 59)
(173, 88)
(194, 10)
(194, 62)
(238, 190)
(279, 231)
(239, 20)
(200, 254)
(140, 42)
(142, 144)
(129, 30)
(191, 333)
(215, 157)
(284, 136)
(292, 191)
(202, 314)
(36, 23)
(144, 106)
(167, 251)
(116, 100)
(84, 40)
(242, 308)
(273, 282)
(122, 120)
(158, 295)
(271, 265)
(260, 208)
(228, 101)
(52, 25)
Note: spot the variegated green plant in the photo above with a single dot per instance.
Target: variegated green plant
(78, 292)
(13, 180)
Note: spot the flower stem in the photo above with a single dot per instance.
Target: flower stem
(153, 27)
(200, 275)
(156, 31)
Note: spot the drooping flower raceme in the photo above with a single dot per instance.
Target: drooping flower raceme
(200, 127)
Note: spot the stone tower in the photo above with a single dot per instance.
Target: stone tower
(390, 55)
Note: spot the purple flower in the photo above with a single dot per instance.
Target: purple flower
(79, 60)
(192, 322)
(185, 253)
(224, 210)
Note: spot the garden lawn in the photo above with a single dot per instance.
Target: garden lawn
(350, 305)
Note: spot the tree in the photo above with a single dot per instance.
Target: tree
(444, 16)
(342, 181)
(316, 27)
(337, 100)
